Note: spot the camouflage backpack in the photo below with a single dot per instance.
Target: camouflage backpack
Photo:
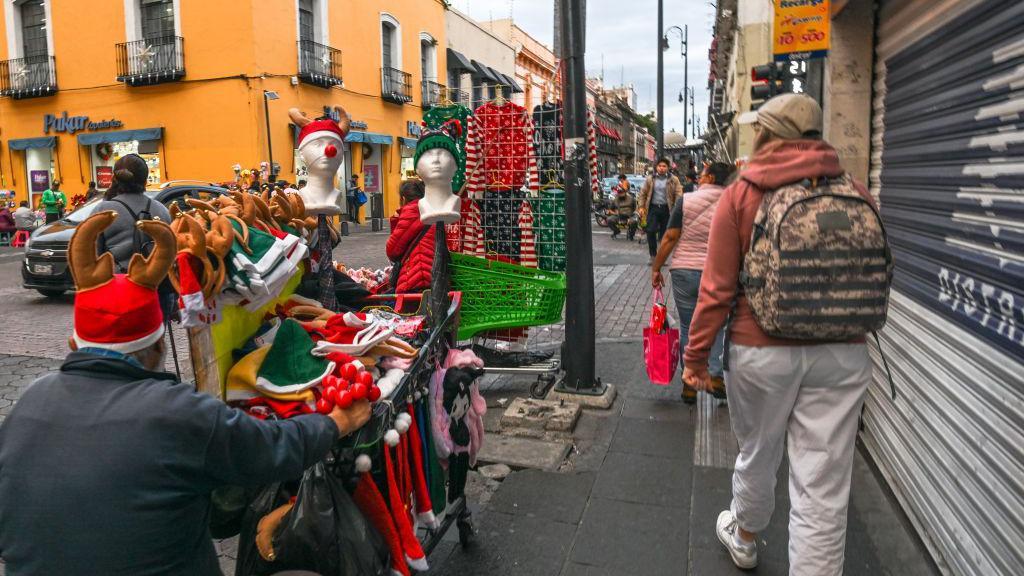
(819, 265)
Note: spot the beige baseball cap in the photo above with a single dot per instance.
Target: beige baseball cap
(788, 116)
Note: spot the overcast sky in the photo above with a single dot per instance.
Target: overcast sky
(625, 33)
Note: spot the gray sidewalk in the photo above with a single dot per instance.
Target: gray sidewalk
(633, 499)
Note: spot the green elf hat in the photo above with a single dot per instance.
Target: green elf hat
(289, 365)
(446, 136)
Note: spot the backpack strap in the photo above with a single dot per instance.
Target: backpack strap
(885, 363)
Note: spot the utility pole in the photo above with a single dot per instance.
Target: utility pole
(693, 123)
(686, 72)
(578, 348)
(661, 80)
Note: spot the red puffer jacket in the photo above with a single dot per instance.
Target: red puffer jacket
(415, 271)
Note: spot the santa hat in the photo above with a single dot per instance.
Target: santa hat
(190, 292)
(119, 312)
(371, 503)
(289, 365)
(310, 130)
(414, 554)
(424, 508)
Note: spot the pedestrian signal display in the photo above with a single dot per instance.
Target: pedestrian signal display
(774, 78)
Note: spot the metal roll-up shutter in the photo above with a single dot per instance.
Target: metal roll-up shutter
(948, 169)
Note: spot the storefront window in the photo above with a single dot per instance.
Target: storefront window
(408, 166)
(105, 155)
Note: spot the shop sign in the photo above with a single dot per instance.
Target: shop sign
(414, 128)
(40, 180)
(371, 178)
(72, 124)
(356, 125)
(802, 29)
(334, 113)
(104, 176)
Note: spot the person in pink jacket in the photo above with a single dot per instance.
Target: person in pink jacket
(801, 397)
(685, 247)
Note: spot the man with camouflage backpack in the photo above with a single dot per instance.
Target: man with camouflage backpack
(799, 248)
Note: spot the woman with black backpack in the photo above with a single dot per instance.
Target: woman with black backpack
(122, 239)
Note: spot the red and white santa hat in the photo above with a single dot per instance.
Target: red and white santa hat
(310, 130)
(119, 312)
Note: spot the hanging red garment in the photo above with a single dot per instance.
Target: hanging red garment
(499, 151)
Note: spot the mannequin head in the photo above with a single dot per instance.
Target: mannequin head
(321, 147)
(436, 166)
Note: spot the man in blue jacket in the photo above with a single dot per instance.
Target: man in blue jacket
(106, 466)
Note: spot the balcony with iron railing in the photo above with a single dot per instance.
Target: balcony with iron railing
(433, 93)
(151, 60)
(28, 77)
(319, 65)
(395, 85)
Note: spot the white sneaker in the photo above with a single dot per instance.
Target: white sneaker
(744, 554)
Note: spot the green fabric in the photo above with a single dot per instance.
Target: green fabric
(54, 201)
(437, 116)
(290, 360)
(438, 495)
(261, 244)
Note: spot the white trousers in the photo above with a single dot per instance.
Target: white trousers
(811, 395)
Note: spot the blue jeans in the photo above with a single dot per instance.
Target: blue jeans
(685, 289)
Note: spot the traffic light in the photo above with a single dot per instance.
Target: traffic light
(766, 81)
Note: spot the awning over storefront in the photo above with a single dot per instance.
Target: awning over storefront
(141, 135)
(512, 84)
(502, 79)
(485, 73)
(26, 143)
(369, 138)
(456, 61)
(609, 132)
(410, 142)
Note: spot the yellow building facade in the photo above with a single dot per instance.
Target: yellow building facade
(196, 86)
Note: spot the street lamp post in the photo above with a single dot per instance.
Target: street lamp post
(269, 95)
(684, 37)
(662, 46)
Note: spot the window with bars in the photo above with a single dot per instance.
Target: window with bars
(33, 30)
(157, 19)
(387, 35)
(307, 30)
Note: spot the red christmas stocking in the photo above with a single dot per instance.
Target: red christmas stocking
(424, 508)
(413, 551)
(370, 501)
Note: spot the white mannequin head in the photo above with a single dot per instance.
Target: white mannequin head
(322, 148)
(436, 167)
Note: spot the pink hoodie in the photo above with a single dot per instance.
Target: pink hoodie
(780, 162)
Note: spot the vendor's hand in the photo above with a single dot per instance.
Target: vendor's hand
(697, 378)
(642, 213)
(352, 418)
(657, 280)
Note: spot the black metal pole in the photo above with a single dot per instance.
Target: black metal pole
(578, 349)
(661, 81)
(686, 76)
(270, 146)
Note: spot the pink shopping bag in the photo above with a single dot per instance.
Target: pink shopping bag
(661, 343)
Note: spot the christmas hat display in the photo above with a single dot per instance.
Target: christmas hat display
(119, 312)
(289, 365)
(446, 137)
(241, 381)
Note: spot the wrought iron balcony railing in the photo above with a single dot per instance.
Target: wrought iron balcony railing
(151, 60)
(319, 65)
(433, 93)
(395, 86)
(28, 77)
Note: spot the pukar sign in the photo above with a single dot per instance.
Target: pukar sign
(72, 124)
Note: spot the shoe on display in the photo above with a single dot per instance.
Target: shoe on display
(744, 554)
(718, 387)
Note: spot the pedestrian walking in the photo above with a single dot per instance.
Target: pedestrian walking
(658, 195)
(351, 198)
(806, 392)
(54, 202)
(107, 465)
(685, 248)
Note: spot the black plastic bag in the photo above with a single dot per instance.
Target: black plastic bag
(324, 532)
